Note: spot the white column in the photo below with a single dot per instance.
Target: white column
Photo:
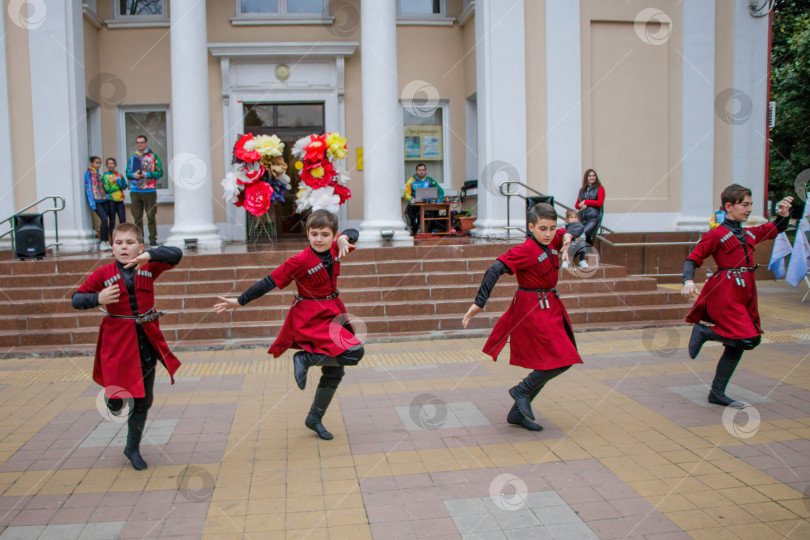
(56, 51)
(697, 141)
(382, 124)
(6, 163)
(564, 100)
(748, 112)
(190, 167)
(500, 75)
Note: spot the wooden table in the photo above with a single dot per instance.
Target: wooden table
(427, 207)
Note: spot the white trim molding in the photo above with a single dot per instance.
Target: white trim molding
(281, 20)
(91, 16)
(425, 21)
(284, 49)
(138, 23)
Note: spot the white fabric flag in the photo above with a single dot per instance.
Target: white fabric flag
(797, 268)
(781, 249)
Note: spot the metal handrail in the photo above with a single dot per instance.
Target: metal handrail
(508, 194)
(602, 228)
(56, 208)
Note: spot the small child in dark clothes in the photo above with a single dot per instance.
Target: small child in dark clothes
(578, 249)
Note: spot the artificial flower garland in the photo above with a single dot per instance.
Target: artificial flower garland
(323, 186)
(259, 176)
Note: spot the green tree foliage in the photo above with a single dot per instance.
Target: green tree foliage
(790, 88)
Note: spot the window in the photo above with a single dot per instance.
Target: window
(423, 141)
(281, 8)
(151, 121)
(140, 8)
(421, 8)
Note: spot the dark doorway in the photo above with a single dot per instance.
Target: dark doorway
(290, 122)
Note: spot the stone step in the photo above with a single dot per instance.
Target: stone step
(267, 258)
(359, 275)
(269, 309)
(48, 337)
(393, 290)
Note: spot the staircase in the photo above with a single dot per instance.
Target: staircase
(391, 293)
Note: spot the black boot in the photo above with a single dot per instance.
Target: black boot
(528, 388)
(323, 396)
(523, 392)
(700, 335)
(519, 419)
(725, 369)
(135, 427)
(303, 360)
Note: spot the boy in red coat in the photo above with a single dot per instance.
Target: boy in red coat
(129, 340)
(317, 322)
(729, 297)
(536, 323)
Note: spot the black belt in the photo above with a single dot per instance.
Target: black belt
(541, 295)
(149, 316)
(737, 273)
(332, 296)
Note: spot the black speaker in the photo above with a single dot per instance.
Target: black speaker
(531, 201)
(29, 236)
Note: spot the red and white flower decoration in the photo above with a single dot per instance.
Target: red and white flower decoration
(323, 184)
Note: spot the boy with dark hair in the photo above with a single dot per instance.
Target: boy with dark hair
(729, 297)
(317, 322)
(536, 323)
(129, 340)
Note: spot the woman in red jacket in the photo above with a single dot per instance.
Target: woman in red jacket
(590, 203)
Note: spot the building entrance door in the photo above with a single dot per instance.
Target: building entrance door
(290, 122)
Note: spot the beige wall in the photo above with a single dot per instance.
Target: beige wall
(626, 84)
(468, 37)
(21, 113)
(140, 57)
(91, 56)
(433, 55)
(723, 78)
(536, 98)
(631, 108)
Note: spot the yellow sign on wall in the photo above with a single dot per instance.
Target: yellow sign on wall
(359, 158)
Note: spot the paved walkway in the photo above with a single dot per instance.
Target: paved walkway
(630, 447)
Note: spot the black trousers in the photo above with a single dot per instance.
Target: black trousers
(116, 208)
(148, 357)
(332, 375)
(591, 229)
(103, 211)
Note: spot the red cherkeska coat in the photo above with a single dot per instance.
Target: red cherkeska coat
(317, 326)
(724, 301)
(539, 337)
(118, 362)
